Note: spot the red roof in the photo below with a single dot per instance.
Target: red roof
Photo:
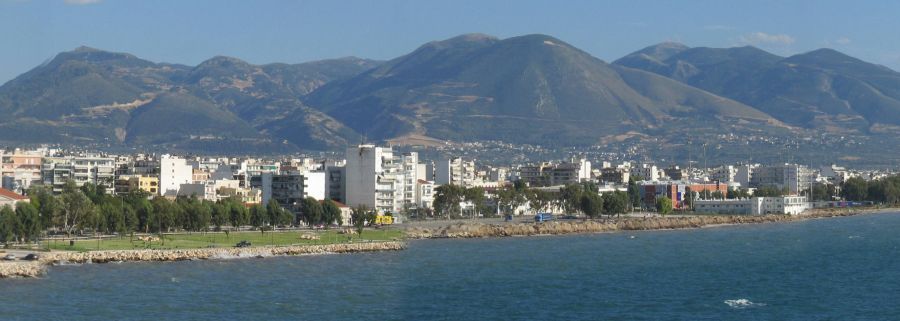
(13, 195)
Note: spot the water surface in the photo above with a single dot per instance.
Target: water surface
(839, 268)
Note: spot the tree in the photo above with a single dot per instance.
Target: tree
(165, 214)
(202, 215)
(591, 204)
(358, 218)
(822, 192)
(663, 205)
(219, 215)
(770, 191)
(48, 206)
(332, 213)
(447, 198)
(273, 212)
(238, 214)
(538, 199)
(77, 208)
(94, 192)
(569, 198)
(855, 189)
(634, 192)
(311, 211)
(258, 216)
(131, 218)
(615, 203)
(509, 198)
(8, 225)
(474, 195)
(29, 222)
(113, 216)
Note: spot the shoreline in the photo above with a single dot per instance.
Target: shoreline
(488, 230)
(33, 269)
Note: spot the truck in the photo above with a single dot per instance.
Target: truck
(543, 217)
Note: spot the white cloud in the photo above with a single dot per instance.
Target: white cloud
(718, 28)
(762, 38)
(81, 2)
(842, 41)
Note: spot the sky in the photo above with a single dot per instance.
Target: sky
(189, 32)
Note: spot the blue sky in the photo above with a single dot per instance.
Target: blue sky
(190, 31)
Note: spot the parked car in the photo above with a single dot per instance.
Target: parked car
(32, 257)
(9, 257)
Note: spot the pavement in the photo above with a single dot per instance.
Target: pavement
(18, 253)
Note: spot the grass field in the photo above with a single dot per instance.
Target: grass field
(220, 239)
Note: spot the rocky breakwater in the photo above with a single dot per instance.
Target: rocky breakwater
(213, 253)
(22, 269)
(474, 229)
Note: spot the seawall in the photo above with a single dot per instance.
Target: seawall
(477, 230)
(22, 269)
(38, 268)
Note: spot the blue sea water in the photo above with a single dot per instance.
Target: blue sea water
(828, 269)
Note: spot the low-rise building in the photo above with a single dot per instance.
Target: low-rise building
(10, 198)
(754, 206)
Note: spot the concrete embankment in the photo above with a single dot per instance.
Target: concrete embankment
(474, 229)
(34, 269)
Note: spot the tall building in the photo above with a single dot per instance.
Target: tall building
(334, 178)
(455, 171)
(173, 171)
(377, 178)
(795, 178)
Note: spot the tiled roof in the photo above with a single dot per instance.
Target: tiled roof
(10, 194)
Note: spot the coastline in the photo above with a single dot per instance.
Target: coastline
(483, 230)
(39, 268)
(33, 269)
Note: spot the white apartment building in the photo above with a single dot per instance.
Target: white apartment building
(455, 171)
(97, 170)
(723, 174)
(173, 172)
(425, 198)
(795, 178)
(754, 206)
(377, 178)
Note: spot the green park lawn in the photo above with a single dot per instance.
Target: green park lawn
(197, 240)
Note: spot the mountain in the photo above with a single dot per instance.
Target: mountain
(822, 89)
(528, 89)
(90, 96)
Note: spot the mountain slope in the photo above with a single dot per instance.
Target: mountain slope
(533, 88)
(822, 89)
(91, 96)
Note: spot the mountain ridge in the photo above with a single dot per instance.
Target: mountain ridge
(530, 89)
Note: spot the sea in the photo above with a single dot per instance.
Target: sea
(824, 269)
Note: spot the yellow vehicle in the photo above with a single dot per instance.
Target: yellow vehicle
(384, 219)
